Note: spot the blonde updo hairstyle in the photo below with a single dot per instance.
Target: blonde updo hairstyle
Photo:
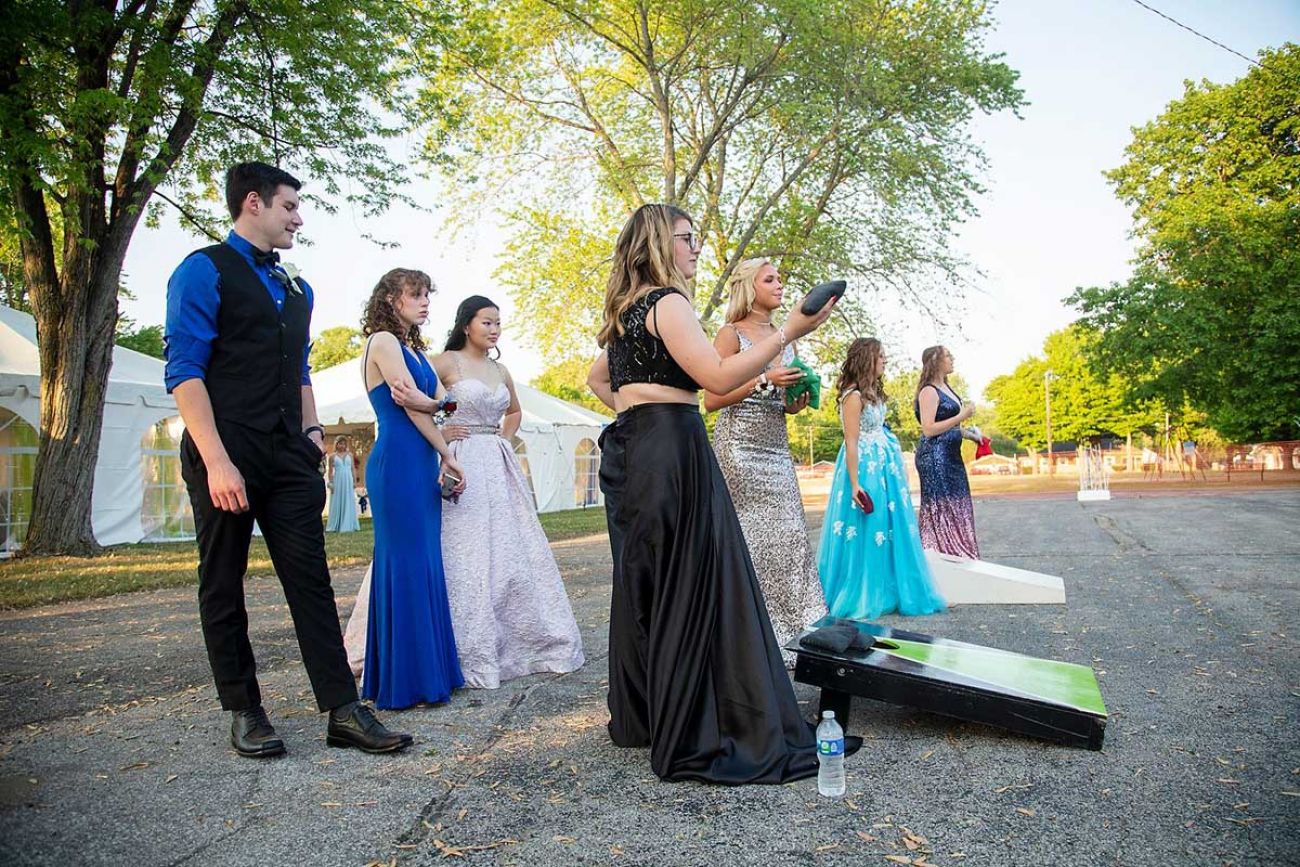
(741, 286)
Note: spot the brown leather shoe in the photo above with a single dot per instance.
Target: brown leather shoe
(253, 736)
(361, 729)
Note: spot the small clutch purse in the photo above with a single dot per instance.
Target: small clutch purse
(864, 502)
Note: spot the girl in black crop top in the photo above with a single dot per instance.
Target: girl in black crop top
(681, 571)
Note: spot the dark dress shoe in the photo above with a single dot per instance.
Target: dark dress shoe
(252, 735)
(358, 727)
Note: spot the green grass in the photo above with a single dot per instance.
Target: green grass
(30, 581)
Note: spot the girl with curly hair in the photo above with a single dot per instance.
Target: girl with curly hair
(410, 647)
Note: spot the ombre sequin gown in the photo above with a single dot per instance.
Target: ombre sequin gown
(873, 564)
(508, 604)
(947, 518)
(753, 450)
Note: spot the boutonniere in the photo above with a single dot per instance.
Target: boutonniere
(287, 273)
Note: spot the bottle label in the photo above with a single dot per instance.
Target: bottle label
(828, 747)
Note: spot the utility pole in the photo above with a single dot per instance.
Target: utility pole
(1048, 376)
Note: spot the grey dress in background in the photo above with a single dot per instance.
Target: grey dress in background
(753, 450)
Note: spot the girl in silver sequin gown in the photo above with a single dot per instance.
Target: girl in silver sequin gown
(753, 450)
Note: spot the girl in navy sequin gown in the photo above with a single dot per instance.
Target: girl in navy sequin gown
(947, 518)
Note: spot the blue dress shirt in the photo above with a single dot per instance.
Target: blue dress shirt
(192, 304)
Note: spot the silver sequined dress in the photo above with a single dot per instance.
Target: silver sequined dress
(509, 608)
(753, 451)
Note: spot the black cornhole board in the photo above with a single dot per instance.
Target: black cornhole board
(1058, 701)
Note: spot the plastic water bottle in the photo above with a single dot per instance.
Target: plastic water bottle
(830, 756)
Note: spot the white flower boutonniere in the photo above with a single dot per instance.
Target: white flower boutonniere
(291, 271)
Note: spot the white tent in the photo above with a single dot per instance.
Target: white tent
(135, 402)
(556, 441)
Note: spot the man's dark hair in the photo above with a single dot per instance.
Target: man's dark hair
(260, 178)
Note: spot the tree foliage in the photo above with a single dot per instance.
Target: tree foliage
(567, 380)
(1210, 316)
(108, 108)
(1085, 406)
(335, 346)
(831, 138)
(145, 338)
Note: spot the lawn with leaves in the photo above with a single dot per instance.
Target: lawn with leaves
(25, 582)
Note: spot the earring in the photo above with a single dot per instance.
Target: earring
(498, 356)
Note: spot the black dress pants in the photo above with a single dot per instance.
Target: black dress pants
(286, 494)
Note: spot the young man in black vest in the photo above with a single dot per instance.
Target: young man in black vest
(237, 342)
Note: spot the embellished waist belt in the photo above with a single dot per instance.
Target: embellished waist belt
(481, 429)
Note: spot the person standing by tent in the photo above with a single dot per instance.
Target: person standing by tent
(343, 494)
(236, 354)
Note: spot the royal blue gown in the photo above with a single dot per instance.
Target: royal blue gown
(872, 564)
(410, 646)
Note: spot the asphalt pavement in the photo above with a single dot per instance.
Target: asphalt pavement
(113, 749)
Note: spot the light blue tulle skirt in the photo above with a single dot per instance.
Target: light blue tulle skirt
(873, 564)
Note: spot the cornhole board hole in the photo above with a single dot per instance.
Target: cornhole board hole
(979, 582)
(1057, 701)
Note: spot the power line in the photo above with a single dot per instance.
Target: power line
(1196, 32)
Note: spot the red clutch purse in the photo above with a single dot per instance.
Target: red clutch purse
(984, 448)
(864, 502)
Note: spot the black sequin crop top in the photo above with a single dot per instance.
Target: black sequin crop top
(638, 356)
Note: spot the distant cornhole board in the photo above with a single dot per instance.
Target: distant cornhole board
(1057, 701)
(979, 582)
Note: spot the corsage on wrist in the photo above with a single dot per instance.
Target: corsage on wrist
(444, 410)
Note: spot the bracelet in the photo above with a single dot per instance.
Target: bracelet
(307, 431)
(780, 333)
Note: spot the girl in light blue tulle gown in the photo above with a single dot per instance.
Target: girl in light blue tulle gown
(343, 495)
(870, 557)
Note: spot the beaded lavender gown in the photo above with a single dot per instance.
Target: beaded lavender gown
(509, 609)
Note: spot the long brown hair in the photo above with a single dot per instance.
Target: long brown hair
(859, 371)
(380, 314)
(643, 260)
(931, 362)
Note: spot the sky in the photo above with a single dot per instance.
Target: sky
(1092, 70)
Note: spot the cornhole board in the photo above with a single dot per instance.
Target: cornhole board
(979, 582)
(1057, 701)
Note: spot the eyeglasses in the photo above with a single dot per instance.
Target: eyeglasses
(694, 240)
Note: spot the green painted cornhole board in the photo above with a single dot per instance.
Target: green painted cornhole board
(1044, 698)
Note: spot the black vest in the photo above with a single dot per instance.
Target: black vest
(254, 375)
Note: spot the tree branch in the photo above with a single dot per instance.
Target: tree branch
(139, 189)
(188, 215)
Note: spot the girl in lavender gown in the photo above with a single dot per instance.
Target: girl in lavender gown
(508, 605)
(947, 519)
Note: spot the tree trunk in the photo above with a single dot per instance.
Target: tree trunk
(75, 323)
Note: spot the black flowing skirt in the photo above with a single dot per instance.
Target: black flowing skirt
(694, 670)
